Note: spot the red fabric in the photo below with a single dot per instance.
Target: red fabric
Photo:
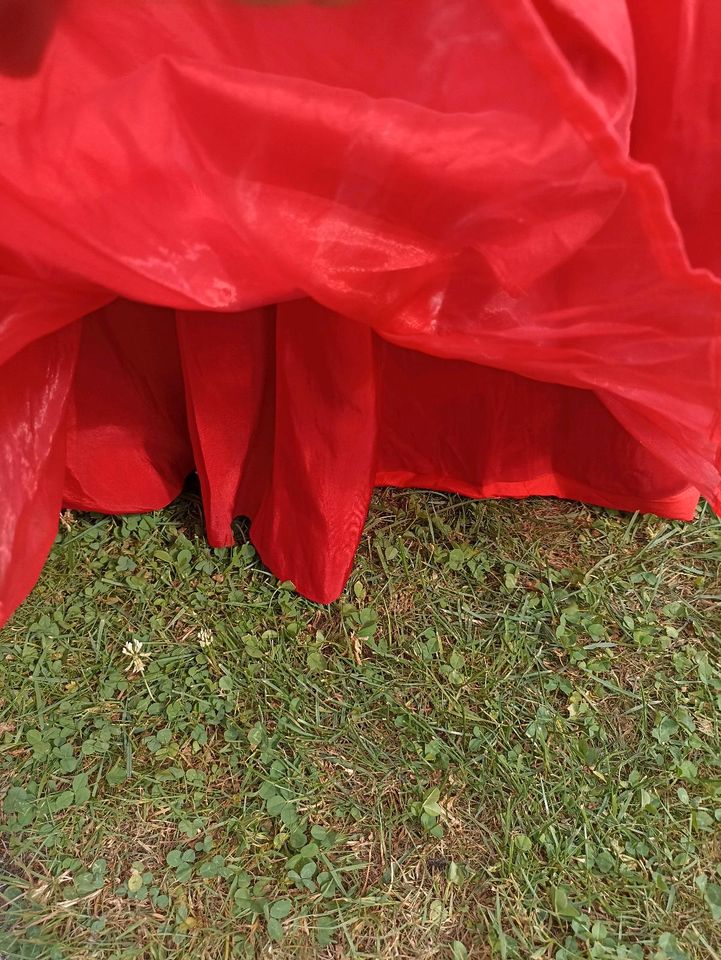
(128, 447)
(34, 390)
(314, 249)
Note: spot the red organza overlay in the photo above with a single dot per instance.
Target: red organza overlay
(306, 250)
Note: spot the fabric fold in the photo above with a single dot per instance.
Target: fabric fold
(127, 446)
(34, 390)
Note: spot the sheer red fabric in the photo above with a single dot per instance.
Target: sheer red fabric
(306, 250)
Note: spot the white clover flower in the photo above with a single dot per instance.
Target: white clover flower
(205, 637)
(133, 649)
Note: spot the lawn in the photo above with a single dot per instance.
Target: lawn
(504, 741)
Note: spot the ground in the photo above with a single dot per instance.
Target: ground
(504, 741)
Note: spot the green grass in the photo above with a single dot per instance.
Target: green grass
(504, 741)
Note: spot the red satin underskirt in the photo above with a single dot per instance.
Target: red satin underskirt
(307, 251)
(292, 415)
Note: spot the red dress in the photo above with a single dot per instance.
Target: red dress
(306, 250)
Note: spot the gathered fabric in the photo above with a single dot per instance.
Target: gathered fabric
(307, 250)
